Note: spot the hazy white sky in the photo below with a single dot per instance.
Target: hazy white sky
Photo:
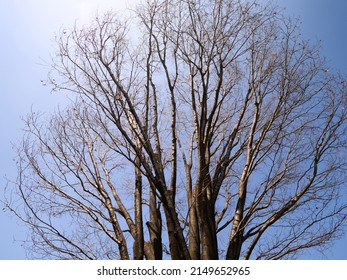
(27, 28)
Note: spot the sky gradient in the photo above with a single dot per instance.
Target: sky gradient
(27, 31)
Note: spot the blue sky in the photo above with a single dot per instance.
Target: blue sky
(27, 30)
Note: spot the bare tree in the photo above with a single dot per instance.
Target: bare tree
(201, 130)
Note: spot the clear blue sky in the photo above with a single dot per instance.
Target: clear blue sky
(27, 27)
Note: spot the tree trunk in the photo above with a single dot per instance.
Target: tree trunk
(236, 234)
(155, 229)
(194, 235)
(178, 246)
(206, 215)
(139, 238)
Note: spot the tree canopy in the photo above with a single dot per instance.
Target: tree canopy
(199, 129)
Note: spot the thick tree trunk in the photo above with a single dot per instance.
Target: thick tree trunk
(206, 215)
(139, 238)
(208, 237)
(155, 229)
(236, 234)
(178, 247)
(194, 235)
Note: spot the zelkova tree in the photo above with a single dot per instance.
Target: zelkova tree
(199, 130)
